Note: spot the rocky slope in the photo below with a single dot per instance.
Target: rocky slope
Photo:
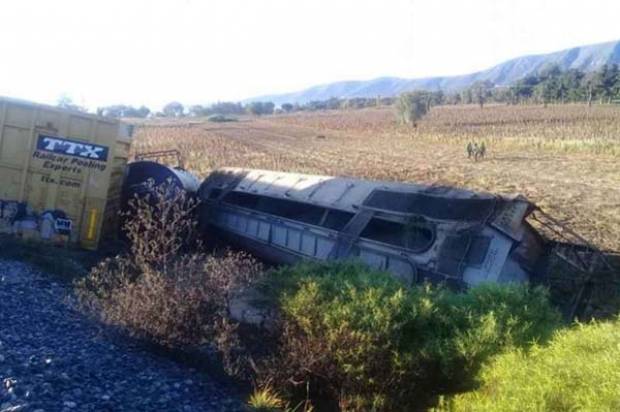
(54, 359)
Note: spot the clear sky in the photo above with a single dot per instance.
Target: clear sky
(197, 51)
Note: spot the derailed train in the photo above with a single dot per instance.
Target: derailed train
(416, 232)
(64, 176)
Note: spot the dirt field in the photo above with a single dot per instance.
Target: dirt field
(564, 158)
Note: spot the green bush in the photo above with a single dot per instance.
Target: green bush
(358, 338)
(412, 106)
(220, 118)
(578, 371)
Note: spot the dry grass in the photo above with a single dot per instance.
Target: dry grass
(564, 158)
(163, 291)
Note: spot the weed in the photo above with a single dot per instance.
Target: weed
(162, 291)
(577, 370)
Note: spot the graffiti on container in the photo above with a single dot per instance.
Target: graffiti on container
(19, 219)
(8, 213)
(66, 155)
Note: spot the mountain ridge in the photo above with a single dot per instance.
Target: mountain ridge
(586, 58)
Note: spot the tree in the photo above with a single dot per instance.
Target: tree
(466, 96)
(173, 109)
(481, 91)
(121, 110)
(65, 102)
(255, 108)
(571, 86)
(333, 103)
(438, 98)
(225, 108)
(454, 98)
(549, 87)
(503, 95)
(287, 107)
(604, 82)
(616, 87)
(143, 112)
(197, 110)
(268, 107)
(523, 89)
(589, 86)
(412, 106)
(260, 108)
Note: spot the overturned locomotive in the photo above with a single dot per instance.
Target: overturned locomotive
(416, 232)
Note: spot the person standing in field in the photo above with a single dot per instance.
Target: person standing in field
(470, 150)
(475, 150)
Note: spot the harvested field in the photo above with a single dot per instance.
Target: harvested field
(565, 158)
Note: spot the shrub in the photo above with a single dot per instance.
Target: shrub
(578, 370)
(159, 226)
(361, 341)
(266, 400)
(260, 108)
(163, 291)
(412, 106)
(185, 304)
(220, 118)
(484, 321)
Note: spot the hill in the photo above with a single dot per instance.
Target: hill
(585, 58)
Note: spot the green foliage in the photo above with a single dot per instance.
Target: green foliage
(412, 106)
(265, 400)
(481, 92)
(122, 110)
(220, 118)
(369, 343)
(173, 109)
(66, 102)
(287, 107)
(578, 371)
(605, 82)
(549, 85)
(219, 108)
(552, 84)
(260, 108)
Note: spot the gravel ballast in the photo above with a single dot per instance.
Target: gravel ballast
(52, 358)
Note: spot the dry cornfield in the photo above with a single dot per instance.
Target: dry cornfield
(565, 158)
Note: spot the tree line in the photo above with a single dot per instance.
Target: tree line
(549, 85)
(258, 108)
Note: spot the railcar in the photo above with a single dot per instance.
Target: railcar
(416, 232)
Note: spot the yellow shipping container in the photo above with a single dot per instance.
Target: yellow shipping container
(61, 172)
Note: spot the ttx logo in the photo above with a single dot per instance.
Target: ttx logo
(72, 148)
